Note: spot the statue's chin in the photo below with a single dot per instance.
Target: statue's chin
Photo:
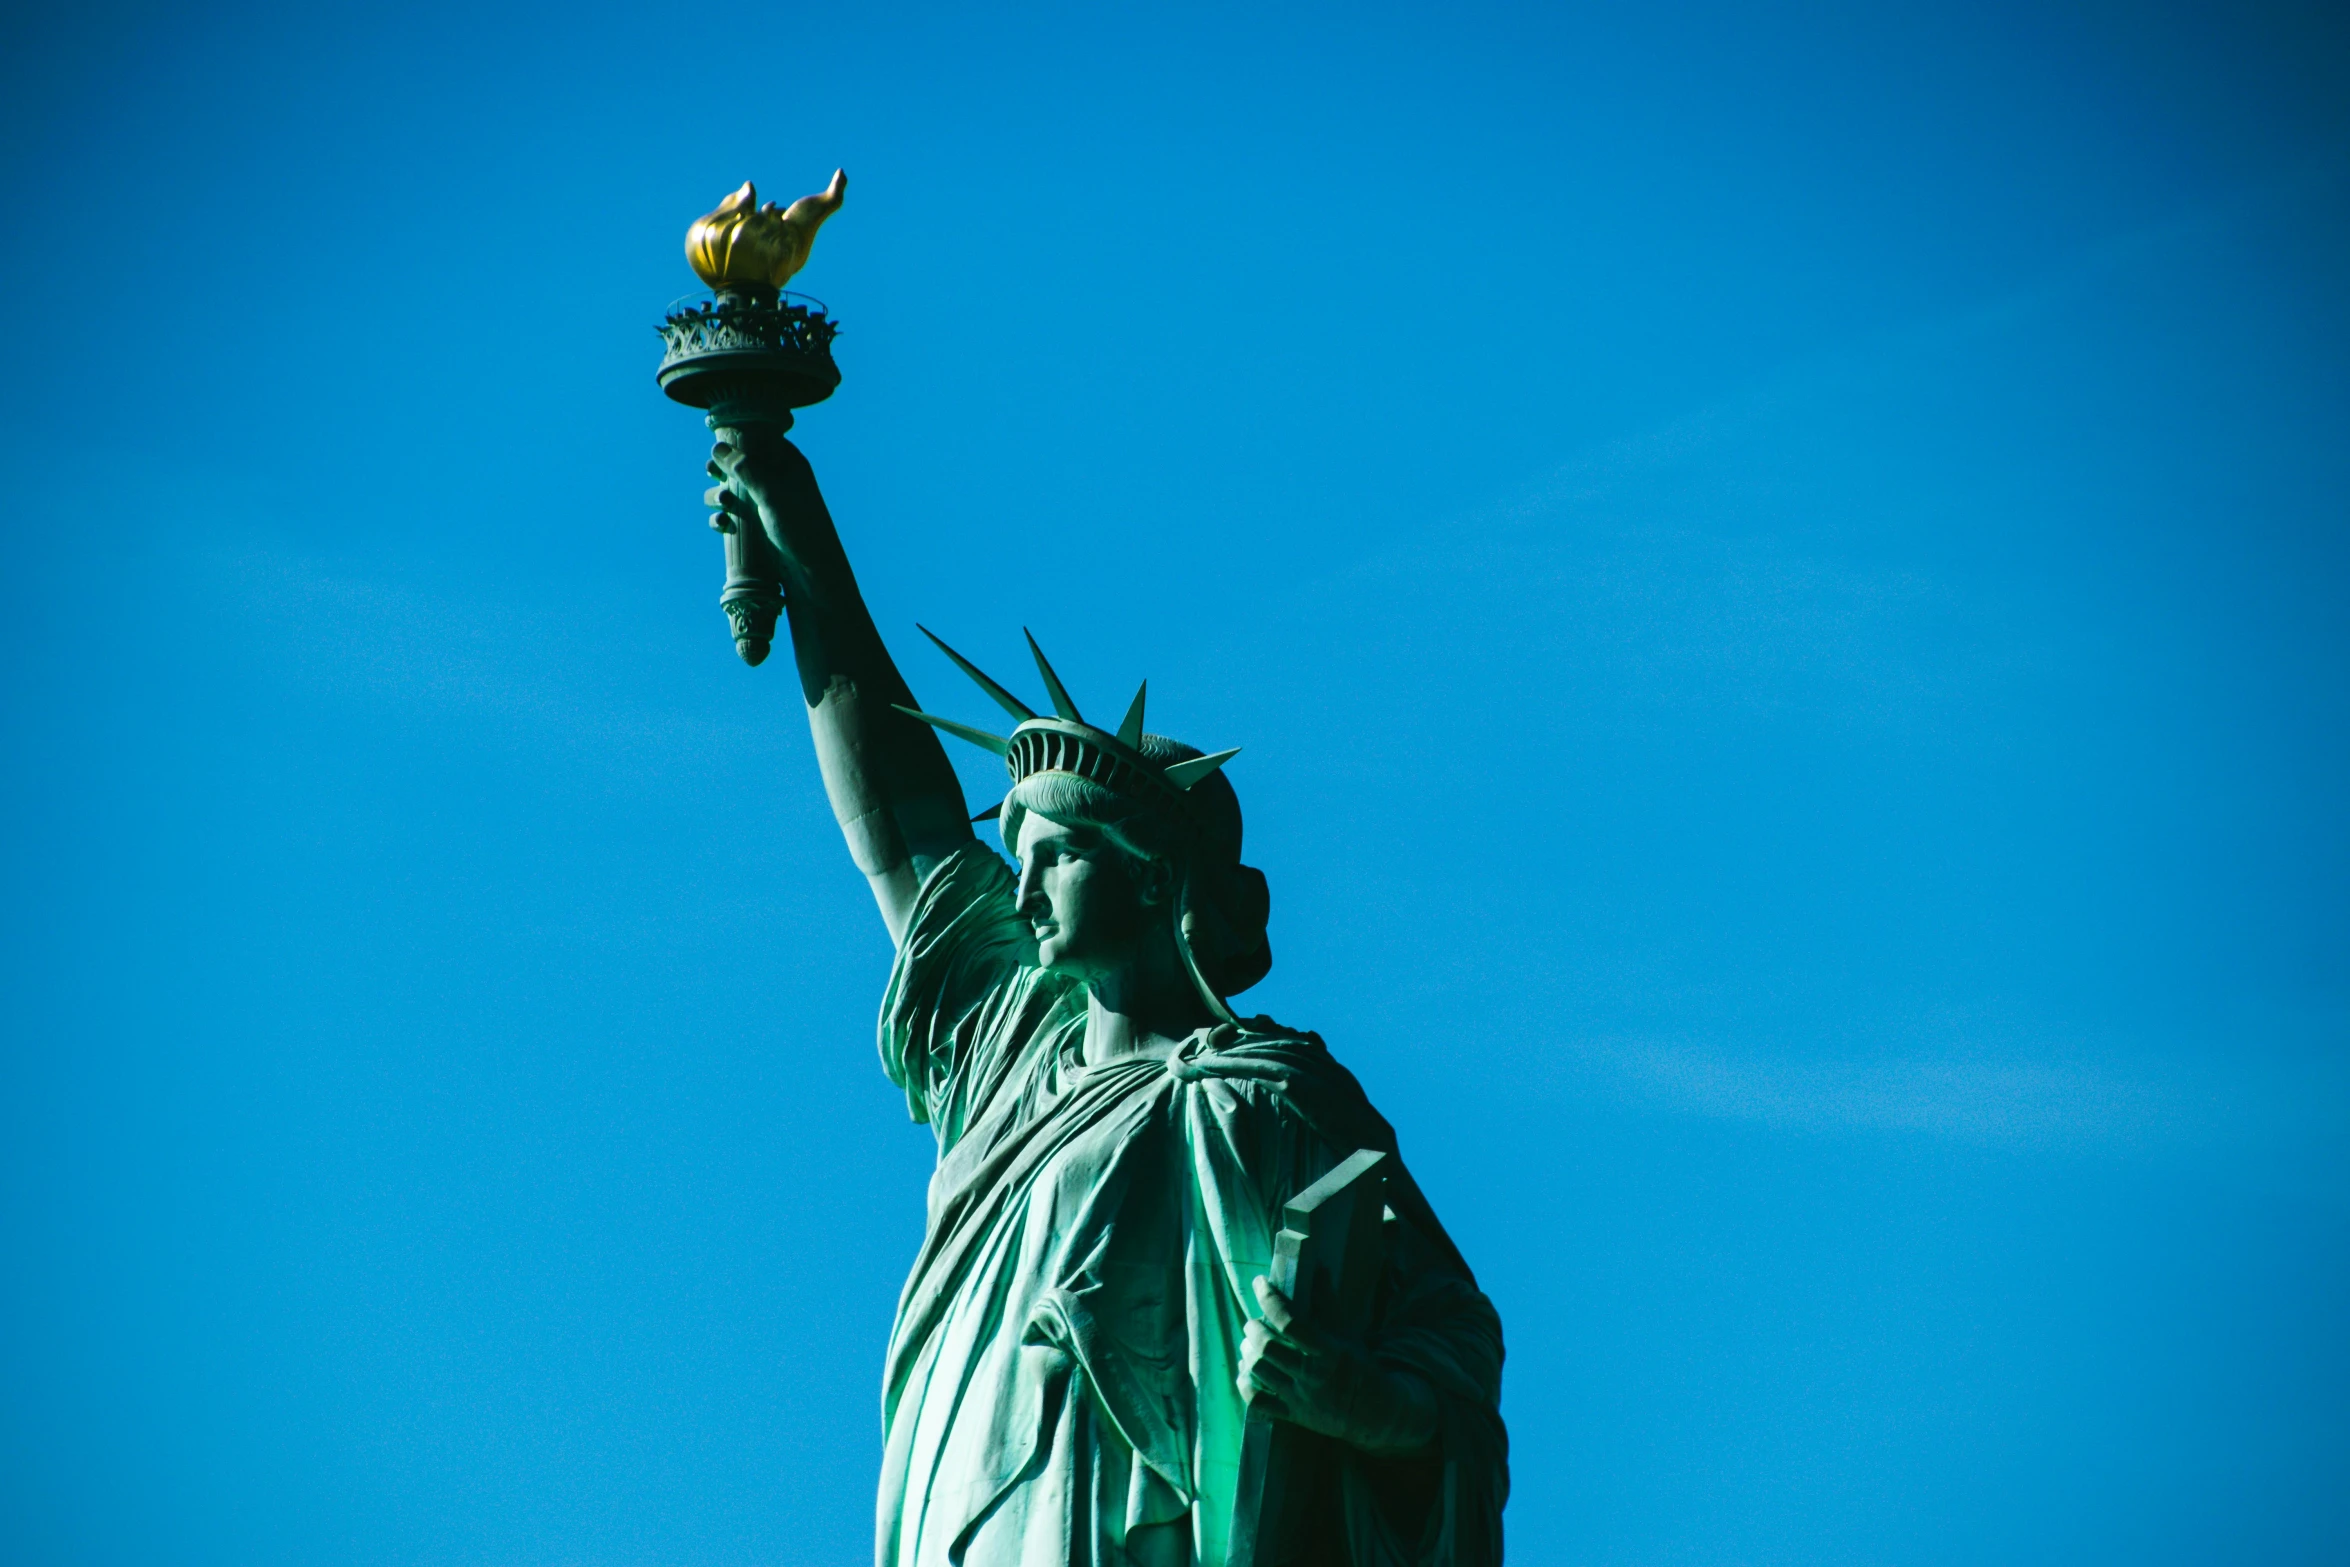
(1052, 952)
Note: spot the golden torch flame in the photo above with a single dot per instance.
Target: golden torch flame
(745, 245)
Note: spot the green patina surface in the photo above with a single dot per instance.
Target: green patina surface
(1063, 1371)
(1091, 1362)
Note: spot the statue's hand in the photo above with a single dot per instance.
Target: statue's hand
(766, 484)
(1296, 1372)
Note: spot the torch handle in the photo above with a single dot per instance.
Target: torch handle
(753, 595)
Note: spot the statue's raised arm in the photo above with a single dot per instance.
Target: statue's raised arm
(892, 789)
(749, 356)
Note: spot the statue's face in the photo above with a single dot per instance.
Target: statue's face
(1084, 905)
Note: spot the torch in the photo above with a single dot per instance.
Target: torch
(749, 355)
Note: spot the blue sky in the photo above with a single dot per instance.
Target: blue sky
(1780, 571)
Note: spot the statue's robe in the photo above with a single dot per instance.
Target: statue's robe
(1062, 1368)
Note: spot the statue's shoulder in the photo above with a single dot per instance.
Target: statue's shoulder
(1259, 1056)
(1288, 1074)
(1249, 1047)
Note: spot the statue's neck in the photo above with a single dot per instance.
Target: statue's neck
(1144, 1008)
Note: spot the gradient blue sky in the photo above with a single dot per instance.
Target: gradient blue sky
(1781, 572)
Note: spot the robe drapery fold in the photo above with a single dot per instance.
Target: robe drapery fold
(1061, 1372)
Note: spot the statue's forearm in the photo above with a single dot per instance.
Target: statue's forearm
(891, 787)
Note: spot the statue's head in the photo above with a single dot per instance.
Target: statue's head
(1123, 839)
(1103, 871)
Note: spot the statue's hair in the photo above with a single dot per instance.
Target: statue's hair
(1226, 904)
(1075, 801)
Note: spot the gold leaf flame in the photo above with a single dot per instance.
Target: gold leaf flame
(743, 244)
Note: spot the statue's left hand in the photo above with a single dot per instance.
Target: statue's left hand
(1297, 1372)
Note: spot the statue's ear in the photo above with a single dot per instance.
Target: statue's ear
(1156, 885)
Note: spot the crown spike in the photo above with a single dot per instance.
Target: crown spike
(1184, 774)
(1003, 699)
(1052, 682)
(978, 737)
(1130, 731)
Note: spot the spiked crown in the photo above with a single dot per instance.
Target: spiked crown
(1066, 743)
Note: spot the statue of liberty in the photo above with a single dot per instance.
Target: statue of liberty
(1090, 1334)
